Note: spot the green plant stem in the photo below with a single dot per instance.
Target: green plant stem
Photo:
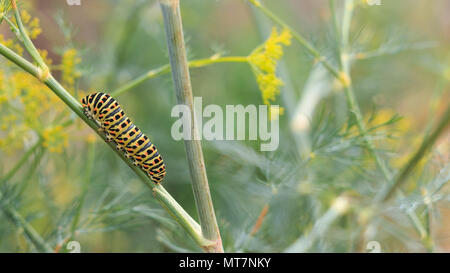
(32, 167)
(84, 188)
(183, 90)
(159, 192)
(13, 27)
(418, 155)
(166, 69)
(26, 39)
(337, 33)
(345, 66)
(19, 61)
(21, 161)
(30, 232)
(297, 36)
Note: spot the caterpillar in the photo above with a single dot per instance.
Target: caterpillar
(121, 131)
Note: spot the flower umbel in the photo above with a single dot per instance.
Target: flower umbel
(70, 59)
(264, 61)
(55, 139)
(26, 108)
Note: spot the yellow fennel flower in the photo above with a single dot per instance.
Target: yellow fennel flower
(69, 62)
(264, 61)
(269, 85)
(55, 139)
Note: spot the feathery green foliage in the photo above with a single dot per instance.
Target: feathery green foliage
(364, 143)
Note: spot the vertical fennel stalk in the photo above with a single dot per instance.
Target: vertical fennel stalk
(345, 67)
(183, 89)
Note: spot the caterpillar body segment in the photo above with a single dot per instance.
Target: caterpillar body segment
(121, 131)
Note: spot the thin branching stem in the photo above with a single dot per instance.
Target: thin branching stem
(32, 235)
(345, 65)
(31, 49)
(84, 189)
(418, 155)
(13, 214)
(298, 37)
(166, 69)
(19, 61)
(26, 155)
(183, 90)
(337, 32)
(21, 161)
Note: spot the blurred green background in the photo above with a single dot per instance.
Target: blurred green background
(401, 69)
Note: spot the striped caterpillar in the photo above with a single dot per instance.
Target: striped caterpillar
(121, 131)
